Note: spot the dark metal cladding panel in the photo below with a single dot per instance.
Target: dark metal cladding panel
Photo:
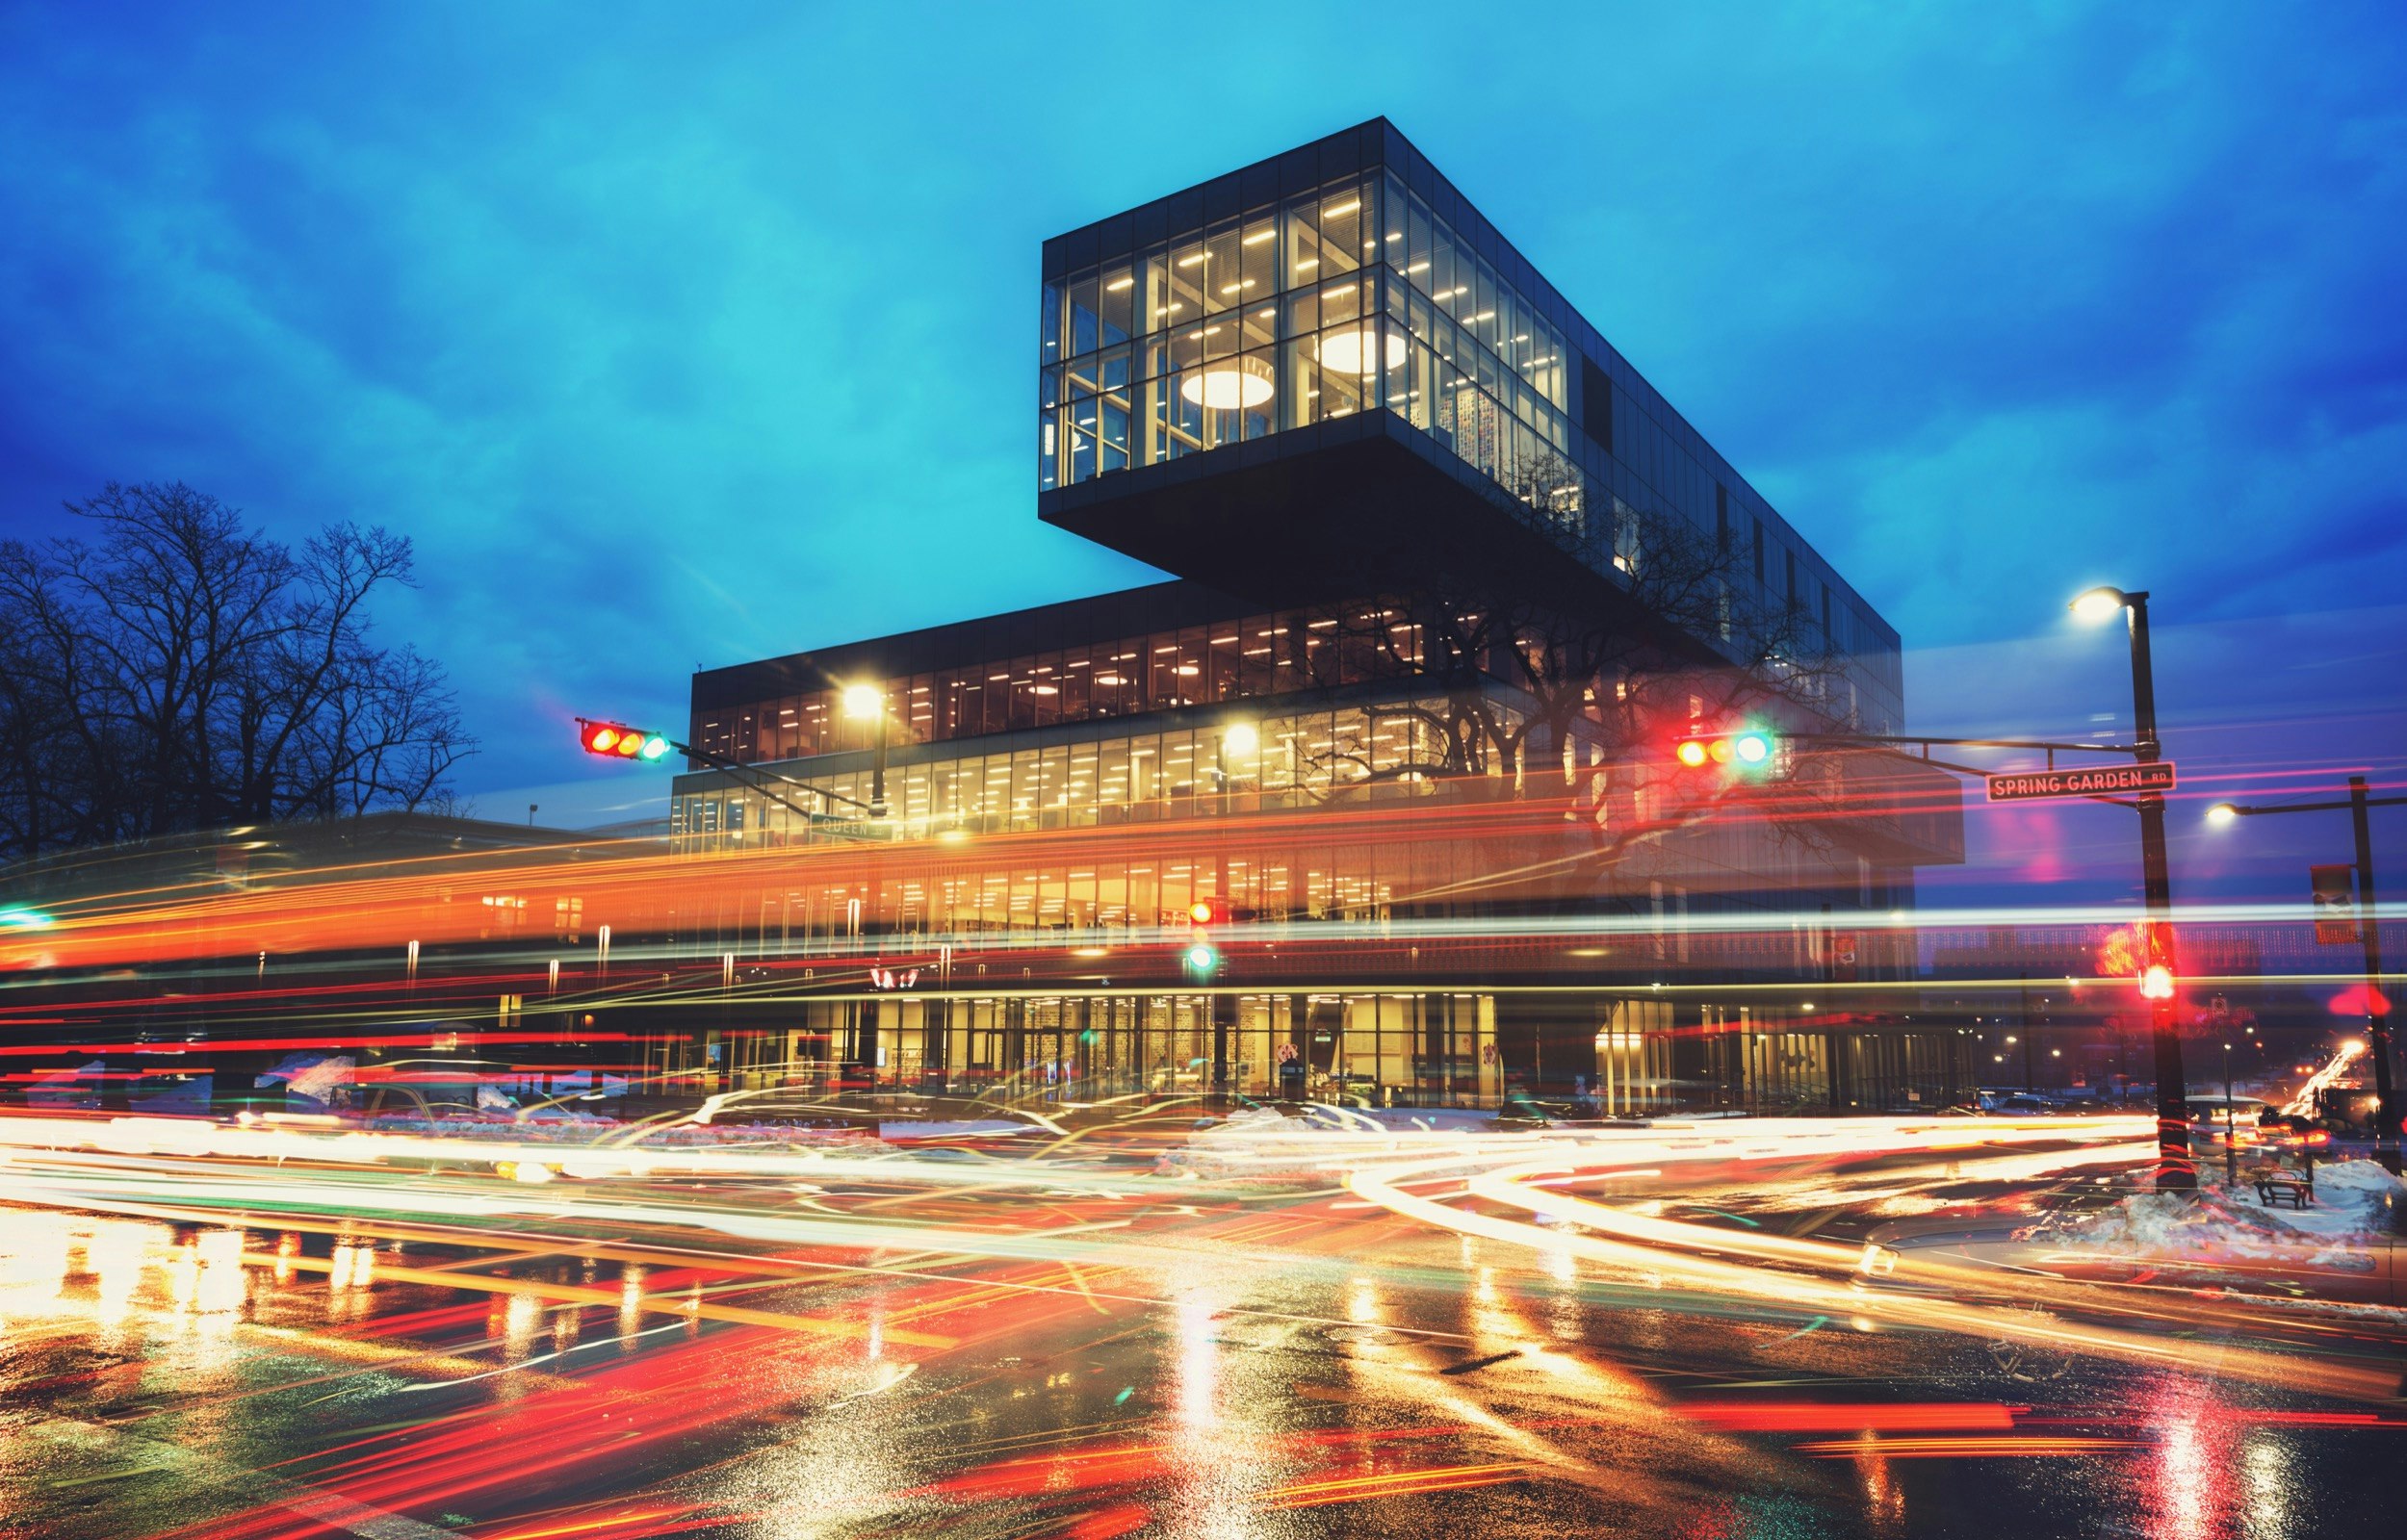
(1184, 209)
(1150, 225)
(1258, 185)
(1299, 171)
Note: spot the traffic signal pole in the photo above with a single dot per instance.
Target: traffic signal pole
(2176, 1170)
(2377, 1004)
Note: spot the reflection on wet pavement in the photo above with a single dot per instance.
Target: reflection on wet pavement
(1273, 1363)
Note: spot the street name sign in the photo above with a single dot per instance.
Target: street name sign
(2024, 786)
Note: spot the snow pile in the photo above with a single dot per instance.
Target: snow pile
(2353, 1204)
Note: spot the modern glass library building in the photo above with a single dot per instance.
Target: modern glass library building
(1328, 396)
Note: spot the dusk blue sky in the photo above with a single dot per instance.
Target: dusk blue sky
(680, 335)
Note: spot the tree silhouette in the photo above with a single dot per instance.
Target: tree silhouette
(177, 670)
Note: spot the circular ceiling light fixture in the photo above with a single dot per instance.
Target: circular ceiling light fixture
(1230, 384)
(1349, 352)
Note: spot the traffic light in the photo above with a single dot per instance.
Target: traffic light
(1202, 955)
(1748, 751)
(615, 740)
(2156, 982)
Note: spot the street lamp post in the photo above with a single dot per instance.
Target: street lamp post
(863, 701)
(2231, 1158)
(2175, 1170)
(1240, 739)
(2029, 1084)
(2385, 1115)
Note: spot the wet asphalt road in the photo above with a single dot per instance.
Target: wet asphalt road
(1268, 1363)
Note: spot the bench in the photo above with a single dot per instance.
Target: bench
(2275, 1191)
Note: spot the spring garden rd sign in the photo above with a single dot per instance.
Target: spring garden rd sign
(2026, 784)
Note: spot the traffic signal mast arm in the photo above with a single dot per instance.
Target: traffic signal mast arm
(1889, 743)
(612, 740)
(1884, 740)
(761, 779)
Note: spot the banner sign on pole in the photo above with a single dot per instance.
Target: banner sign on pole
(2336, 905)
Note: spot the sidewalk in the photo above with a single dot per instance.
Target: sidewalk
(2340, 1250)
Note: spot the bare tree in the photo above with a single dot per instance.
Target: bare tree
(179, 671)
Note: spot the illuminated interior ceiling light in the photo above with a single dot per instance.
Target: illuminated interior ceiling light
(1193, 259)
(1337, 209)
(1118, 284)
(1231, 384)
(1345, 354)
(1258, 237)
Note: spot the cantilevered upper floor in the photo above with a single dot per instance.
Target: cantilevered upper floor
(1327, 373)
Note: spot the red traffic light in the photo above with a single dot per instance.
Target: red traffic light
(1749, 750)
(615, 740)
(1216, 912)
(2156, 982)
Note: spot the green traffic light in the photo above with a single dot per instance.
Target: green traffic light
(17, 917)
(655, 746)
(1201, 957)
(1752, 748)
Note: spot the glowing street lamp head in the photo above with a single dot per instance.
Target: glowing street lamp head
(864, 702)
(1241, 737)
(2100, 606)
(2222, 813)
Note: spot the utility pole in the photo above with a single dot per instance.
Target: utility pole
(2028, 1083)
(2386, 1117)
(2231, 1156)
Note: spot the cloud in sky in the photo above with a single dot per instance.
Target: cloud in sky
(680, 335)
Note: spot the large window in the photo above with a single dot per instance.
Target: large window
(1348, 300)
(1252, 655)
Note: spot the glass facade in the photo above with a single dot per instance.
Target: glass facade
(1432, 1050)
(1292, 759)
(1319, 305)
(1252, 655)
